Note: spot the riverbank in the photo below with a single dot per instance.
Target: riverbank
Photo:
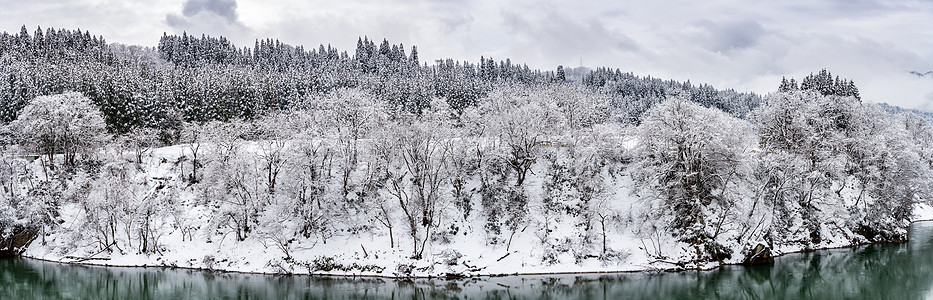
(859, 273)
(378, 263)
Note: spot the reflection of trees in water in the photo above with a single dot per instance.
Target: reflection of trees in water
(903, 271)
(895, 271)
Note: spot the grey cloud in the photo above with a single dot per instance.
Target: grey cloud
(454, 23)
(558, 37)
(198, 13)
(515, 21)
(613, 13)
(223, 8)
(728, 36)
(848, 8)
(176, 21)
(851, 6)
(211, 17)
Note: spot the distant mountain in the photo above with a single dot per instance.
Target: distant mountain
(894, 109)
(921, 74)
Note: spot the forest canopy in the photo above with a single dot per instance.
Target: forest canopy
(188, 78)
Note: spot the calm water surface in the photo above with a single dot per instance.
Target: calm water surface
(894, 271)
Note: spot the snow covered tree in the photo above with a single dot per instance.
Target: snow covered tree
(28, 208)
(418, 157)
(353, 114)
(105, 204)
(521, 120)
(686, 155)
(274, 153)
(237, 192)
(787, 85)
(824, 84)
(888, 162)
(140, 142)
(225, 138)
(121, 210)
(193, 135)
(804, 138)
(60, 124)
(580, 108)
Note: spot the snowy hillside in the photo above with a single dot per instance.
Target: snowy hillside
(530, 180)
(928, 74)
(360, 242)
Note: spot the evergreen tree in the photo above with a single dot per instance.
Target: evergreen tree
(824, 84)
(414, 56)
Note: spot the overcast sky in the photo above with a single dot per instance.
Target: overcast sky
(744, 45)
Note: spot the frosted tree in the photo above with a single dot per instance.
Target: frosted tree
(64, 124)
(193, 134)
(107, 208)
(886, 156)
(354, 114)
(513, 124)
(804, 138)
(311, 179)
(238, 193)
(225, 138)
(274, 153)
(140, 142)
(462, 169)
(27, 206)
(686, 155)
(521, 120)
(417, 173)
(580, 108)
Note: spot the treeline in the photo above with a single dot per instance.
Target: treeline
(638, 94)
(822, 83)
(55, 45)
(199, 79)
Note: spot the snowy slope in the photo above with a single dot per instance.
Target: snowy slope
(465, 254)
(367, 252)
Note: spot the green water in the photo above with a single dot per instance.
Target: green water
(894, 271)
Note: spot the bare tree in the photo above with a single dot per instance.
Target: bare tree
(193, 134)
(416, 178)
(273, 154)
(140, 142)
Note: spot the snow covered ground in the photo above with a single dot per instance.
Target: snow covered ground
(922, 212)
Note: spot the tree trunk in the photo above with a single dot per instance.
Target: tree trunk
(602, 223)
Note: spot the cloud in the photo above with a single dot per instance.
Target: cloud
(223, 8)
(558, 37)
(453, 23)
(214, 17)
(727, 36)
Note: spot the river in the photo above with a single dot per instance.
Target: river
(890, 271)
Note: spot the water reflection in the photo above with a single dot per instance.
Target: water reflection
(899, 271)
